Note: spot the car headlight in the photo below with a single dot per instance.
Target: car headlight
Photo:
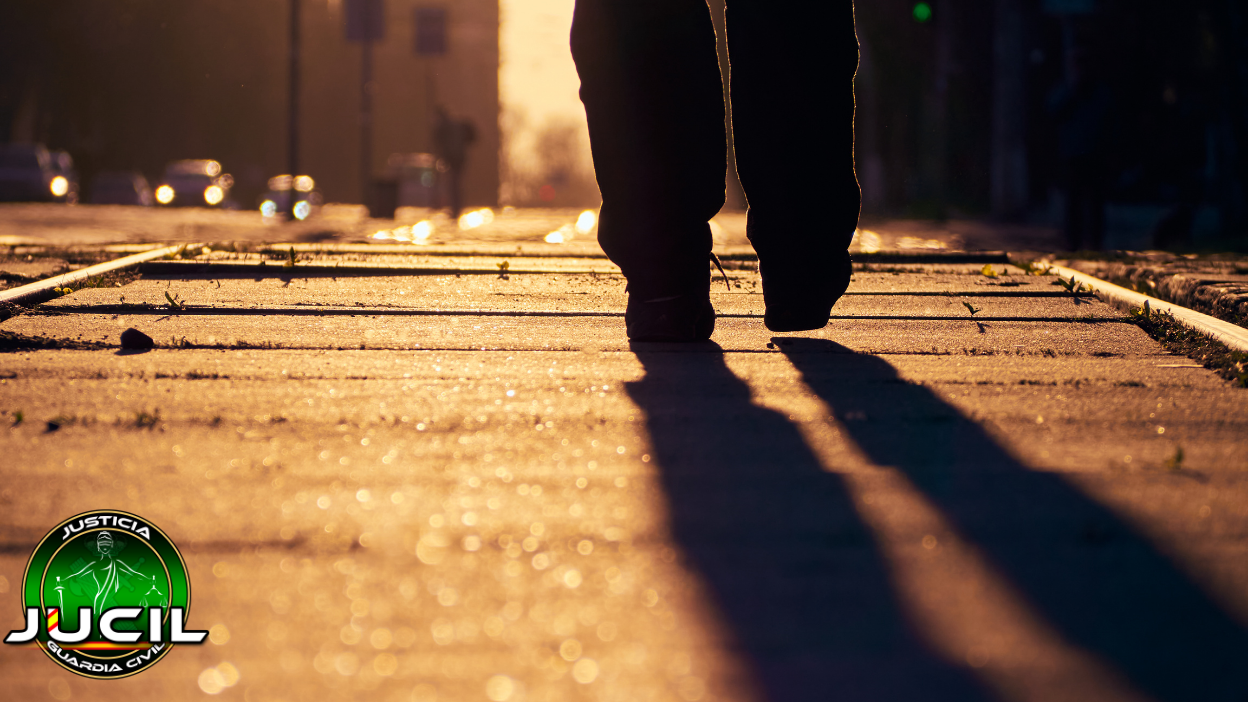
(268, 208)
(213, 194)
(164, 194)
(59, 186)
(302, 210)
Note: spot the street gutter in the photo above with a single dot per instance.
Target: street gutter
(1234, 337)
(42, 290)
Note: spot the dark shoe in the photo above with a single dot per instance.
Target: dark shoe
(800, 298)
(679, 318)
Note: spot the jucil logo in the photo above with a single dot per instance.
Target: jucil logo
(113, 594)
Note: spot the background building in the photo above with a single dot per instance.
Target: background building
(137, 83)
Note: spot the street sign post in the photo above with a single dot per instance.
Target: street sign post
(292, 129)
(366, 25)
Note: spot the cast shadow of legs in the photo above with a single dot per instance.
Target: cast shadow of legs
(797, 578)
(1101, 584)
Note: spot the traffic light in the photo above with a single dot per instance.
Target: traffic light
(922, 12)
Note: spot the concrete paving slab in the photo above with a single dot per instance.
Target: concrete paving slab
(422, 390)
(573, 331)
(1160, 370)
(29, 267)
(386, 290)
(586, 295)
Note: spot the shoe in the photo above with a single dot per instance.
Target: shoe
(802, 300)
(677, 318)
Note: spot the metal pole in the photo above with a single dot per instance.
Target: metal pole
(366, 123)
(292, 131)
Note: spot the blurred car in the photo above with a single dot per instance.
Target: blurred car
(30, 173)
(195, 183)
(277, 200)
(122, 188)
(419, 177)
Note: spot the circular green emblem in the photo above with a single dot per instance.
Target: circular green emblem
(109, 594)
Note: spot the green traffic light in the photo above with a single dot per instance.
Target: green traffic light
(922, 12)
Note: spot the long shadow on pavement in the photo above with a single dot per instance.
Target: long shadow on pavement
(797, 577)
(1101, 584)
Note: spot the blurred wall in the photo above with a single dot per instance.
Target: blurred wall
(956, 108)
(136, 83)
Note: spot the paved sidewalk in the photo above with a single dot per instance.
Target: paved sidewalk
(459, 485)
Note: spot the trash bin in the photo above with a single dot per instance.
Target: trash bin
(385, 199)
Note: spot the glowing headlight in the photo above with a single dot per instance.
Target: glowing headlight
(59, 186)
(164, 194)
(585, 223)
(302, 209)
(213, 194)
(476, 218)
(268, 208)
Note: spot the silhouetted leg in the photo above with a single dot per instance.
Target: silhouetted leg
(792, 90)
(654, 101)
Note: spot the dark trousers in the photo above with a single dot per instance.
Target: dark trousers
(653, 97)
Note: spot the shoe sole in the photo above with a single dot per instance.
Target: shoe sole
(808, 319)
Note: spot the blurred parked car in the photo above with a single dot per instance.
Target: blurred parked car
(195, 183)
(30, 173)
(419, 177)
(277, 200)
(122, 188)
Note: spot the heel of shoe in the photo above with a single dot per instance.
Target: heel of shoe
(682, 318)
(802, 300)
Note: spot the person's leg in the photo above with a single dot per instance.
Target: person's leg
(653, 98)
(792, 91)
(456, 189)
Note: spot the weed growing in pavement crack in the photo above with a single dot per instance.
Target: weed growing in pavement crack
(971, 308)
(988, 271)
(1183, 341)
(18, 417)
(1072, 286)
(175, 301)
(146, 420)
(1037, 268)
(291, 260)
(62, 420)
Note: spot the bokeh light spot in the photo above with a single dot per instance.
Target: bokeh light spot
(585, 671)
(500, 688)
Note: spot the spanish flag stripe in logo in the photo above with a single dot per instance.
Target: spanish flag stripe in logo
(54, 619)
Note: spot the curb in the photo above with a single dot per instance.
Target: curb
(42, 290)
(1232, 336)
(1202, 291)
